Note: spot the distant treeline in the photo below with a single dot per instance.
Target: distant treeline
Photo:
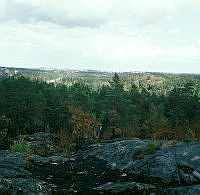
(138, 105)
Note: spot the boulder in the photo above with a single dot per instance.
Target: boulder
(175, 165)
(43, 144)
(118, 154)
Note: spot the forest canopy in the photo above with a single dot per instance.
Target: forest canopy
(153, 106)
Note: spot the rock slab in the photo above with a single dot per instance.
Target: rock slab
(107, 169)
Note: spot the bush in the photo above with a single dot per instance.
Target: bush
(21, 146)
(152, 148)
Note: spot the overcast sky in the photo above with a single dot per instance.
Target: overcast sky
(118, 35)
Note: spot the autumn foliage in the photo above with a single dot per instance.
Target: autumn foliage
(84, 125)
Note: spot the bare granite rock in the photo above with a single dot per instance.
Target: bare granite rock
(106, 169)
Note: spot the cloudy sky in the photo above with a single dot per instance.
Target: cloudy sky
(129, 35)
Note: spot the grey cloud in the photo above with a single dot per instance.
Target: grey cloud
(96, 13)
(25, 13)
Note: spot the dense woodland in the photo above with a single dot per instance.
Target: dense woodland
(144, 105)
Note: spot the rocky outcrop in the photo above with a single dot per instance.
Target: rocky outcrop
(117, 154)
(175, 165)
(107, 169)
(182, 190)
(125, 187)
(5, 143)
(14, 177)
(43, 144)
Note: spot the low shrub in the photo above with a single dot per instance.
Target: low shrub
(21, 146)
(152, 148)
